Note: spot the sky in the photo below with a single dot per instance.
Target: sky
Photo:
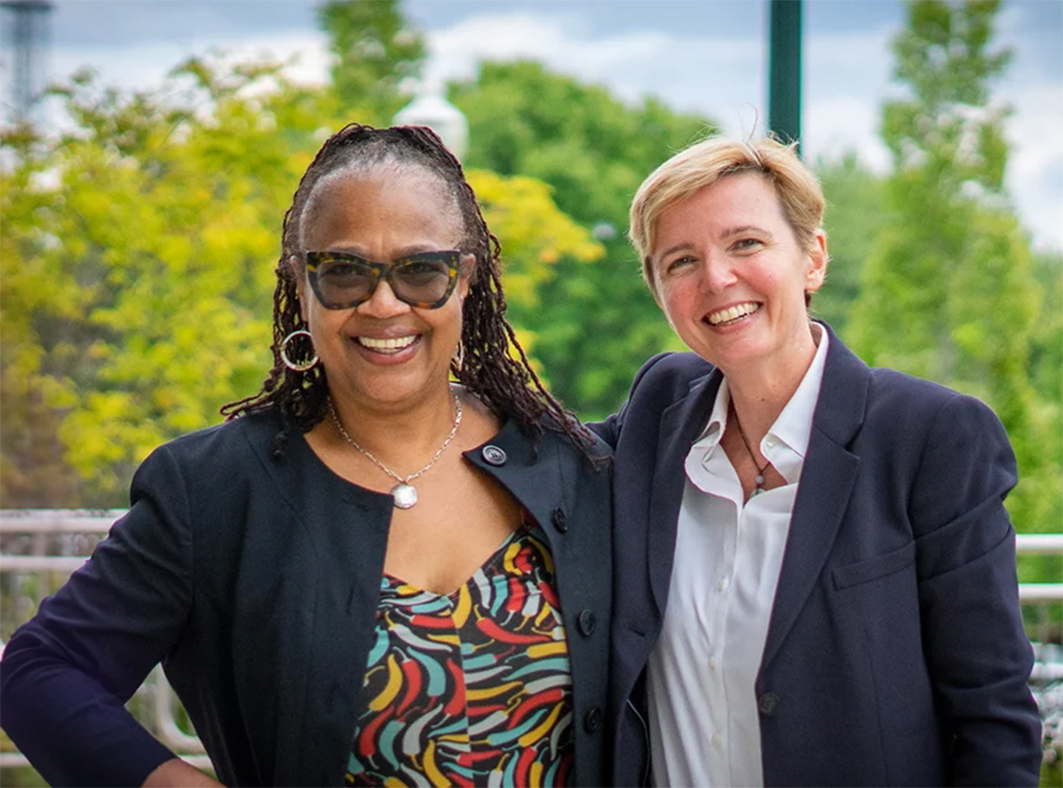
(703, 56)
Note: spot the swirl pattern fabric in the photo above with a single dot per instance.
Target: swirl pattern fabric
(473, 687)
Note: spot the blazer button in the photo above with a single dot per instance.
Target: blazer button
(592, 720)
(587, 621)
(493, 455)
(559, 520)
(768, 704)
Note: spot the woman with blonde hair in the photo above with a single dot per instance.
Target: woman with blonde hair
(815, 573)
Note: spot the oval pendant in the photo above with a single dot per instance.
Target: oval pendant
(405, 495)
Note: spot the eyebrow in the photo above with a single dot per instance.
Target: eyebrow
(673, 249)
(745, 228)
(730, 232)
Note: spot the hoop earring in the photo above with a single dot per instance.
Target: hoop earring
(297, 366)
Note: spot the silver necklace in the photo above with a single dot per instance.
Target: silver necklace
(759, 488)
(404, 493)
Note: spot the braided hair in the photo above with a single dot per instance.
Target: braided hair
(502, 380)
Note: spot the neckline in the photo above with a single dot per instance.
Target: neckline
(352, 490)
(521, 532)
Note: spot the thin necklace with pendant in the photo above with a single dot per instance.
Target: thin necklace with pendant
(404, 493)
(759, 488)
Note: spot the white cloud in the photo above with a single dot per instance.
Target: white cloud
(716, 76)
(846, 79)
(1035, 170)
(147, 64)
(836, 125)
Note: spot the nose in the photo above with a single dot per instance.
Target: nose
(383, 303)
(717, 273)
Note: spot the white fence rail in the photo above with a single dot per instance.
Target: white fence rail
(46, 545)
(49, 544)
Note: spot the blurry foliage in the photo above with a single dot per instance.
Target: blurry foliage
(136, 269)
(373, 51)
(594, 324)
(137, 251)
(137, 266)
(950, 289)
(537, 233)
(853, 219)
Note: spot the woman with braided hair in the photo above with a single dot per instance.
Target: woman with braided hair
(392, 564)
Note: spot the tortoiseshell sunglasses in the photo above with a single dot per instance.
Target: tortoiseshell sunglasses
(342, 280)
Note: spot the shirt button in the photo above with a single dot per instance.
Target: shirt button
(586, 622)
(722, 585)
(716, 740)
(770, 441)
(768, 704)
(557, 517)
(592, 720)
(712, 663)
(493, 455)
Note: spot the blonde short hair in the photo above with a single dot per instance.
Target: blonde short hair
(704, 163)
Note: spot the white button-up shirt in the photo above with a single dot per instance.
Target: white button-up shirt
(704, 725)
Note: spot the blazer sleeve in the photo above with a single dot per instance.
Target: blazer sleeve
(68, 672)
(978, 653)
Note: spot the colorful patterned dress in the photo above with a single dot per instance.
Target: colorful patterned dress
(473, 687)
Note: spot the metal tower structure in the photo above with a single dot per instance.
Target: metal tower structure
(24, 34)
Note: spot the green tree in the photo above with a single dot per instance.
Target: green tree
(855, 201)
(373, 50)
(949, 291)
(136, 268)
(594, 322)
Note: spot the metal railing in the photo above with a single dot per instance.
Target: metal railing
(48, 544)
(1042, 544)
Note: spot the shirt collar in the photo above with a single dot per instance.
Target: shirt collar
(792, 428)
(794, 425)
(713, 431)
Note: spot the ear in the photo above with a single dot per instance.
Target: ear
(465, 271)
(817, 262)
(300, 286)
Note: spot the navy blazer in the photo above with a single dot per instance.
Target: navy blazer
(255, 580)
(895, 652)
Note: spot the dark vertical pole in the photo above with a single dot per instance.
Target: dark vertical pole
(26, 38)
(784, 70)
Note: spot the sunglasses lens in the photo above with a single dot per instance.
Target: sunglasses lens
(341, 283)
(423, 280)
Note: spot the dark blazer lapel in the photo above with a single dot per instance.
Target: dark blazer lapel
(535, 483)
(680, 424)
(825, 486)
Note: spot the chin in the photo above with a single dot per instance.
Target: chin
(732, 355)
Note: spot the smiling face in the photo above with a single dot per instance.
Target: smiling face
(731, 277)
(384, 355)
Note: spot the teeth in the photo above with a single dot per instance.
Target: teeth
(732, 313)
(389, 345)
